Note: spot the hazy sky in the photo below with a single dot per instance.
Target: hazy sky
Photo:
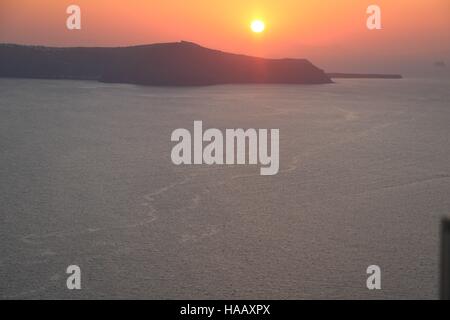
(331, 33)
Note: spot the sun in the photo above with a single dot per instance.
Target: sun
(258, 26)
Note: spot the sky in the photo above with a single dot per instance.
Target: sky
(332, 34)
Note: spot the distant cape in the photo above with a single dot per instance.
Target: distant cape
(364, 76)
(166, 64)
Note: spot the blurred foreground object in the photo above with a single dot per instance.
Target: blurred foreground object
(445, 259)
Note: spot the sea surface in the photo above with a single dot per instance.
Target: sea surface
(86, 179)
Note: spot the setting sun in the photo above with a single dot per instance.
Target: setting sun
(258, 26)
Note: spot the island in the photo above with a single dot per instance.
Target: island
(165, 64)
(364, 76)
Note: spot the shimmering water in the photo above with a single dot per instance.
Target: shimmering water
(86, 178)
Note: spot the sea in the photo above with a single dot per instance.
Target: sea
(86, 179)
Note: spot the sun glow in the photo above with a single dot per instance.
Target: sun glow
(257, 26)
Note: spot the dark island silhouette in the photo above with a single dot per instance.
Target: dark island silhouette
(364, 76)
(166, 64)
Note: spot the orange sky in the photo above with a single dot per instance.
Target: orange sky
(329, 32)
